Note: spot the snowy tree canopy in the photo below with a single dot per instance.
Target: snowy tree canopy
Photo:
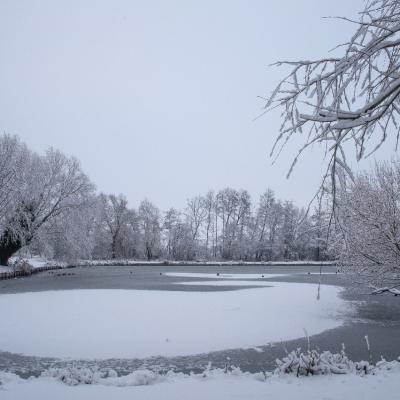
(369, 218)
(35, 190)
(48, 207)
(351, 98)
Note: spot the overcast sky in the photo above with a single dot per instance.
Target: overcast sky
(157, 99)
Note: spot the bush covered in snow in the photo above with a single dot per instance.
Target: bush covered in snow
(295, 363)
(79, 376)
(315, 363)
(21, 264)
(74, 376)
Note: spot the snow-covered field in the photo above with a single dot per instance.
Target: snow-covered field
(135, 323)
(143, 385)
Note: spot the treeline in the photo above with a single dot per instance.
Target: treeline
(48, 206)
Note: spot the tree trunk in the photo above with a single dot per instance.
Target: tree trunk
(8, 247)
(149, 252)
(113, 246)
(318, 253)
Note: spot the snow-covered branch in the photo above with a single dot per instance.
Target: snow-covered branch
(354, 97)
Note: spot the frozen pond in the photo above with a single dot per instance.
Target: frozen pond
(235, 315)
(117, 323)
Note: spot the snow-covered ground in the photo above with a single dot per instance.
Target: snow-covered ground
(240, 386)
(136, 323)
(34, 262)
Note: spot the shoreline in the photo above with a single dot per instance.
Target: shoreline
(45, 265)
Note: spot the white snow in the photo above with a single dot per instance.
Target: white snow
(135, 323)
(37, 262)
(221, 275)
(34, 262)
(227, 283)
(385, 385)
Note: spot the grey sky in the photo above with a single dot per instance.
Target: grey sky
(157, 98)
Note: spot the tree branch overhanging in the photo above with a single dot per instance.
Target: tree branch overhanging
(352, 98)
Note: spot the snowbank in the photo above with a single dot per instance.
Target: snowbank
(34, 262)
(19, 267)
(213, 384)
(130, 324)
(39, 262)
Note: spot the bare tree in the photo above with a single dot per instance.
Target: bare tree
(13, 154)
(369, 215)
(351, 98)
(196, 214)
(170, 222)
(49, 186)
(115, 216)
(149, 217)
(209, 205)
(233, 209)
(69, 236)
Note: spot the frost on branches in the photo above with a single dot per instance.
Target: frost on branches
(369, 217)
(351, 98)
(48, 208)
(35, 191)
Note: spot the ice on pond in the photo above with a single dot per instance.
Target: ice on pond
(218, 275)
(137, 323)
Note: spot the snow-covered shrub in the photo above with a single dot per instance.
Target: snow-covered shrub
(384, 365)
(315, 363)
(74, 376)
(295, 363)
(140, 377)
(21, 265)
(368, 217)
(79, 375)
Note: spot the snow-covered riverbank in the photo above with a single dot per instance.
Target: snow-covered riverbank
(36, 264)
(384, 383)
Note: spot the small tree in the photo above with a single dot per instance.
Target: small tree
(115, 215)
(369, 217)
(150, 226)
